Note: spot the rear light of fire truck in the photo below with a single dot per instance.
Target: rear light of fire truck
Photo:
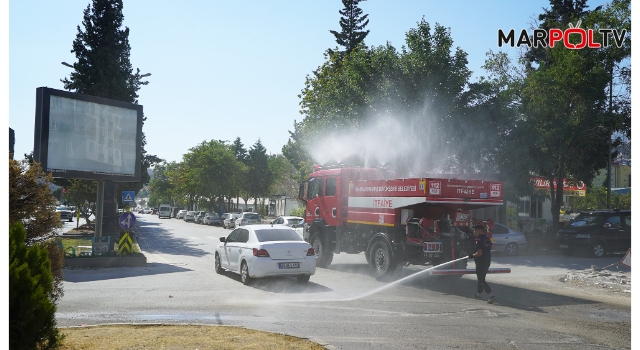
(432, 247)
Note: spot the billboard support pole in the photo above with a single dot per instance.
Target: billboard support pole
(99, 209)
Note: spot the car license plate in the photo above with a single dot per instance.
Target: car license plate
(292, 265)
(431, 255)
(564, 246)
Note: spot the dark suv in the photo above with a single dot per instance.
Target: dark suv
(597, 233)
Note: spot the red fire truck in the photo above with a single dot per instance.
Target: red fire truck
(395, 222)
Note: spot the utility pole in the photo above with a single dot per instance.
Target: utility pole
(609, 138)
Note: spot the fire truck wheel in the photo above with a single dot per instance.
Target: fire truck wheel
(381, 261)
(323, 257)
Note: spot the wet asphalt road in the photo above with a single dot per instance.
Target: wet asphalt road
(533, 310)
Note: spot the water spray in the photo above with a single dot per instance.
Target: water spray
(392, 284)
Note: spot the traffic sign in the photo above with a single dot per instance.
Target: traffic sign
(127, 220)
(626, 260)
(128, 196)
(124, 245)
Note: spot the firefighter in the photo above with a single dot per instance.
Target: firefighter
(482, 257)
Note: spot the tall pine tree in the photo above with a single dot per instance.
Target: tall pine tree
(352, 24)
(103, 69)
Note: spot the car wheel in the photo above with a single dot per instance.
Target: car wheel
(511, 249)
(217, 265)
(303, 278)
(323, 257)
(244, 273)
(598, 250)
(381, 261)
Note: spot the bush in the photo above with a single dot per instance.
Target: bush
(32, 323)
(298, 212)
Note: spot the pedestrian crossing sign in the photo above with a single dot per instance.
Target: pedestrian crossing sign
(128, 196)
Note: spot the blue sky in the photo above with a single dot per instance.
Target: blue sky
(227, 69)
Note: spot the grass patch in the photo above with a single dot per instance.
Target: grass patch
(178, 337)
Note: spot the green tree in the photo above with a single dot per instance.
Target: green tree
(83, 194)
(32, 204)
(32, 323)
(561, 13)
(218, 170)
(596, 198)
(352, 24)
(259, 175)
(31, 201)
(286, 179)
(565, 109)
(104, 69)
(161, 188)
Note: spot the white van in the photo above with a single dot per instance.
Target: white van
(164, 211)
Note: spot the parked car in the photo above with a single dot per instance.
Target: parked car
(148, 211)
(263, 250)
(248, 218)
(223, 217)
(230, 221)
(181, 214)
(199, 217)
(597, 233)
(189, 216)
(66, 214)
(295, 222)
(211, 219)
(507, 240)
(140, 211)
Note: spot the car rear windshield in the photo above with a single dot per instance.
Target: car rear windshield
(585, 219)
(252, 216)
(274, 235)
(295, 221)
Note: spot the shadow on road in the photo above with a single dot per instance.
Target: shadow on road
(78, 275)
(514, 297)
(153, 238)
(282, 284)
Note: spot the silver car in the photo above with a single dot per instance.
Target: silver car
(230, 221)
(211, 219)
(190, 216)
(248, 218)
(508, 240)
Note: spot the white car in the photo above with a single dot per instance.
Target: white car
(508, 240)
(181, 214)
(248, 218)
(258, 251)
(230, 221)
(66, 214)
(295, 222)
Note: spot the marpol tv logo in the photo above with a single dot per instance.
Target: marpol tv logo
(574, 38)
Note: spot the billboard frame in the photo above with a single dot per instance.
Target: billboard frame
(41, 136)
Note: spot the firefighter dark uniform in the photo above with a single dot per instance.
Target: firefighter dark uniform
(482, 258)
